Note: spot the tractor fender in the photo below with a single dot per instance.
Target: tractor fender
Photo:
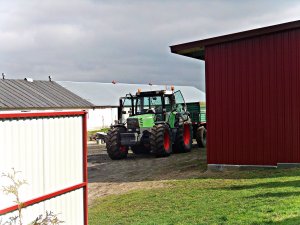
(162, 122)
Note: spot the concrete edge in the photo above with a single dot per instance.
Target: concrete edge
(288, 165)
(228, 167)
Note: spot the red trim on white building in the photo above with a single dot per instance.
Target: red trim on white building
(40, 114)
(43, 198)
(68, 189)
(85, 163)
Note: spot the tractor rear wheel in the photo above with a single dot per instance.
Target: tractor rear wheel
(161, 140)
(201, 137)
(139, 149)
(113, 144)
(183, 141)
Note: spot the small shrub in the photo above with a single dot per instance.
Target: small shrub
(13, 189)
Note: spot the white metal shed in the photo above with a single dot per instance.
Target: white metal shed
(50, 149)
(43, 134)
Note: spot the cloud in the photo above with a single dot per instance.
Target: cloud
(126, 41)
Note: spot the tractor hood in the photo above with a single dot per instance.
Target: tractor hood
(145, 120)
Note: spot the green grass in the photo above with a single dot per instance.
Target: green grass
(244, 197)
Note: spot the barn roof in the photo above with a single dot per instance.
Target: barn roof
(29, 95)
(108, 94)
(196, 49)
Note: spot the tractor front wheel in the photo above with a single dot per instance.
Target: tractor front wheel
(201, 137)
(113, 144)
(161, 140)
(183, 141)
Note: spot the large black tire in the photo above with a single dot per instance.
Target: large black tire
(161, 140)
(113, 144)
(139, 149)
(201, 137)
(184, 138)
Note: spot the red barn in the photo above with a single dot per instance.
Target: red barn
(252, 94)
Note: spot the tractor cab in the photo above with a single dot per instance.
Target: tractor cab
(155, 104)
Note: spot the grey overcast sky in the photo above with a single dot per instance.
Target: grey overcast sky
(126, 41)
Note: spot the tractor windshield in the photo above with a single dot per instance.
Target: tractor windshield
(160, 105)
(147, 104)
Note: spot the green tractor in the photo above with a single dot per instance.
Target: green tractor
(158, 123)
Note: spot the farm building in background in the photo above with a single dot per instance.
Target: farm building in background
(252, 87)
(105, 98)
(38, 95)
(47, 143)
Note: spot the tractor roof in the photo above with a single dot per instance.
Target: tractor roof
(154, 93)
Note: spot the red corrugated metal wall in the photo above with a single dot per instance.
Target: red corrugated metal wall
(253, 104)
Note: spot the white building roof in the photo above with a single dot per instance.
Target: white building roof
(108, 94)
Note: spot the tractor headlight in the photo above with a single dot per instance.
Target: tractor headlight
(132, 123)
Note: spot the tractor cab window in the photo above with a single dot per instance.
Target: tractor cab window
(156, 103)
(127, 104)
(146, 105)
(125, 108)
(169, 103)
(180, 103)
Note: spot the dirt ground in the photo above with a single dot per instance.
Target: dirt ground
(108, 176)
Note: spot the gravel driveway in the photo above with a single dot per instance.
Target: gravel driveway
(108, 176)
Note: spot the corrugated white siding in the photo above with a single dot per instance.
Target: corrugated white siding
(68, 207)
(63, 152)
(48, 152)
